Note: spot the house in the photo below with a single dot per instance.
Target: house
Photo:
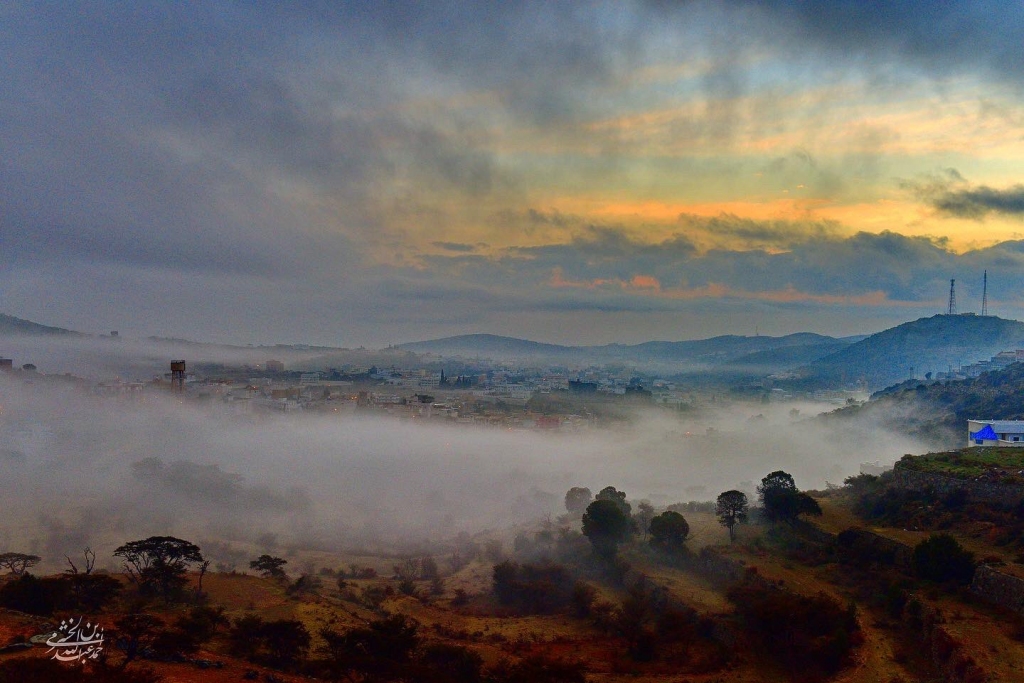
(995, 432)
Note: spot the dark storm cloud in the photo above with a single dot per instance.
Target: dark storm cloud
(949, 193)
(936, 36)
(977, 202)
(778, 232)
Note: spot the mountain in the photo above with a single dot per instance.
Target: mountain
(913, 349)
(488, 346)
(681, 356)
(780, 359)
(11, 325)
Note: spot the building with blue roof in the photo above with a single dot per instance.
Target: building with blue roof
(995, 432)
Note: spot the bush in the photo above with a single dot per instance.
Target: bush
(941, 558)
(446, 663)
(536, 669)
(41, 670)
(35, 596)
(278, 643)
(810, 636)
(533, 588)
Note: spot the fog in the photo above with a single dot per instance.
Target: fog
(77, 470)
(107, 358)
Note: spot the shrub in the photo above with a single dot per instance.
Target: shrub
(36, 596)
(533, 588)
(941, 558)
(810, 636)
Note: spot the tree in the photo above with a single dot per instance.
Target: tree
(669, 531)
(781, 499)
(269, 566)
(772, 487)
(642, 518)
(606, 525)
(17, 563)
(577, 499)
(618, 497)
(159, 564)
(786, 506)
(731, 509)
(941, 558)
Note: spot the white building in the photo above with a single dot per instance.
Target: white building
(995, 432)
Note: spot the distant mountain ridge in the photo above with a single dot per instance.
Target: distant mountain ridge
(698, 353)
(11, 325)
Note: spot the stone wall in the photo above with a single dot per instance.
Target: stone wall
(875, 547)
(1005, 494)
(999, 588)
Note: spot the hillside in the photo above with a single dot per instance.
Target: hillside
(915, 348)
(779, 359)
(11, 325)
(938, 411)
(488, 346)
(700, 354)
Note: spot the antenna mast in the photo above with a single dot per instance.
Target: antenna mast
(984, 294)
(952, 297)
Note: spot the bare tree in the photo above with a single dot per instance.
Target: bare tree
(90, 562)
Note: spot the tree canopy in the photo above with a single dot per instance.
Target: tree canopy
(782, 501)
(577, 499)
(17, 563)
(669, 531)
(269, 566)
(606, 525)
(617, 497)
(731, 509)
(159, 564)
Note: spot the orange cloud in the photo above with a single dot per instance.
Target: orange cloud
(714, 290)
(645, 282)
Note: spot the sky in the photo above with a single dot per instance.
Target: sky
(364, 174)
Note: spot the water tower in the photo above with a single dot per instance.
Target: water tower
(178, 376)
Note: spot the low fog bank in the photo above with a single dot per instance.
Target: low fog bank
(77, 470)
(107, 358)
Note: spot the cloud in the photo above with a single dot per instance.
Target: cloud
(977, 202)
(455, 246)
(952, 195)
(290, 172)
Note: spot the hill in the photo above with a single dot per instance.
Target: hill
(700, 354)
(780, 359)
(11, 325)
(938, 411)
(488, 346)
(915, 348)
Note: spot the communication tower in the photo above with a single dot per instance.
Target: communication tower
(178, 376)
(952, 297)
(984, 294)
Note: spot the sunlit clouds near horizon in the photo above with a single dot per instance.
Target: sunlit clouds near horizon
(373, 173)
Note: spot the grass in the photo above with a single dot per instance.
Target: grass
(971, 463)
